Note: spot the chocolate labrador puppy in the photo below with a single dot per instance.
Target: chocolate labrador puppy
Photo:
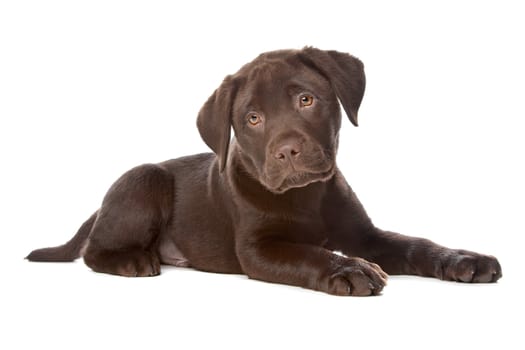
(269, 203)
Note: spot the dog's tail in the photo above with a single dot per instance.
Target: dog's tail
(68, 251)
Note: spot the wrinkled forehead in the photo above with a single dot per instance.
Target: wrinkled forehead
(267, 82)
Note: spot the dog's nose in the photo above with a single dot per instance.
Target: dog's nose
(288, 151)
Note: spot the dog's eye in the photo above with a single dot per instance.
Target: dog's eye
(254, 118)
(306, 100)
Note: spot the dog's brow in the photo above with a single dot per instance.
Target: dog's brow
(305, 83)
(294, 89)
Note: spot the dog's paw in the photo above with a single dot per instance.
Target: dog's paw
(128, 263)
(470, 267)
(357, 277)
(142, 264)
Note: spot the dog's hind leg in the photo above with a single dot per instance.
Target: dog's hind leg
(134, 212)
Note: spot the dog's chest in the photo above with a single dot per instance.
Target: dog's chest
(299, 227)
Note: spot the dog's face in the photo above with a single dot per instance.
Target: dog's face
(286, 120)
(284, 109)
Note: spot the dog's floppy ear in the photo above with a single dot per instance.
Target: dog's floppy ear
(345, 73)
(215, 119)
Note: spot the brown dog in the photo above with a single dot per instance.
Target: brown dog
(271, 203)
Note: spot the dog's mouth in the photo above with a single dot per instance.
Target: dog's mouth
(299, 179)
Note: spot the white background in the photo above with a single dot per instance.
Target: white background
(90, 89)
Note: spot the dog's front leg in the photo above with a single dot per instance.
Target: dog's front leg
(310, 267)
(399, 254)
(352, 232)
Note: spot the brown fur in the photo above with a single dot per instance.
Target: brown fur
(271, 203)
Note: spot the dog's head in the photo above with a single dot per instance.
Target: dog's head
(284, 109)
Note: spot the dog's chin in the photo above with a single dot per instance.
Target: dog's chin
(300, 179)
